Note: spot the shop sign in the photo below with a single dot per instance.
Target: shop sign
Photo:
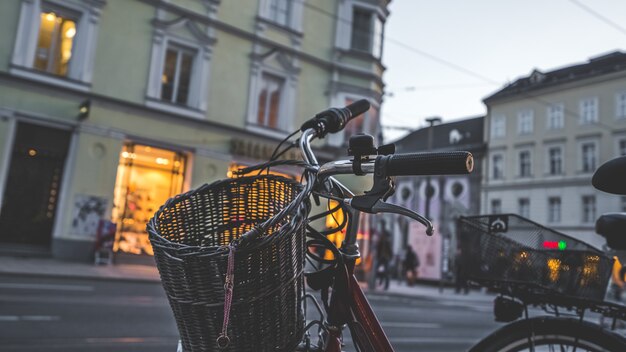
(259, 150)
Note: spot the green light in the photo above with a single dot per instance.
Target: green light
(562, 245)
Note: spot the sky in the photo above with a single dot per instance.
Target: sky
(443, 57)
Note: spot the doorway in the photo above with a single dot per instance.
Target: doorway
(33, 185)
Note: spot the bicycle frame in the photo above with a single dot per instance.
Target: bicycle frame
(347, 301)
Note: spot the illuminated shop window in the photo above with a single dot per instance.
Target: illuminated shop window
(55, 42)
(146, 178)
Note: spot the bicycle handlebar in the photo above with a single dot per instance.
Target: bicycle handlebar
(430, 163)
(335, 119)
(412, 164)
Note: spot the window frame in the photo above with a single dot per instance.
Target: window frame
(81, 65)
(199, 42)
(523, 202)
(555, 116)
(619, 149)
(620, 105)
(294, 18)
(501, 175)
(551, 211)
(549, 160)
(589, 211)
(525, 122)
(493, 203)
(582, 157)
(584, 120)
(498, 127)
(520, 166)
(345, 14)
(180, 50)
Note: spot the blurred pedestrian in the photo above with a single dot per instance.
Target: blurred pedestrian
(410, 265)
(461, 264)
(383, 257)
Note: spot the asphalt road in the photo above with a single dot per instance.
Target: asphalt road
(54, 314)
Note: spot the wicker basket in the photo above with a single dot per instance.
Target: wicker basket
(508, 251)
(190, 235)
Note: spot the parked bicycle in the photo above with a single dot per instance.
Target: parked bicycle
(232, 254)
(532, 265)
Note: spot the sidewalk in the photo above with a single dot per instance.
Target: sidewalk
(432, 292)
(53, 267)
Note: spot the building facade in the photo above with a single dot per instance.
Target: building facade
(108, 108)
(546, 134)
(447, 197)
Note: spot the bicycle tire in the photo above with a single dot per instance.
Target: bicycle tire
(551, 331)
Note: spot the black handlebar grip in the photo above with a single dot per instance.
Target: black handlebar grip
(357, 108)
(436, 163)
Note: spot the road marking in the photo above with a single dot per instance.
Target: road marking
(29, 317)
(17, 286)
(431, 340)
(402, 324)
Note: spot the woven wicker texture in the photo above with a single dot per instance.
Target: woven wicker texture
(189, 235)
(509, 250)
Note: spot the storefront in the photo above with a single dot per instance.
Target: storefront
(146, 178)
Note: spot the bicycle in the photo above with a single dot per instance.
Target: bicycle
(565, 278)
(190, 236)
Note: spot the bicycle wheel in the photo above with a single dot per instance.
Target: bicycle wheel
(551, 334)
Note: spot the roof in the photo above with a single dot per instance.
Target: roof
(465, 134)
(601, 65)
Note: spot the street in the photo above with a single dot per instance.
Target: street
(58, 314)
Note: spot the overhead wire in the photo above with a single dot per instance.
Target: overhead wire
(566, 112)
(599, 16)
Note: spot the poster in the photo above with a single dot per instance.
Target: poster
(87, 213)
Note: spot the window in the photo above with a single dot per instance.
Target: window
(524, 164)
(555, 160)
(525, 122)
(179, 68)
(620, 105)
(589, 209)
(497, 166)
(554, 209)
(588, 111)
(498, 126)
(623, 204)
(269, 100)
(588, 153)
(367, 30)
(621, 147)
(56, 40)
(524, 207)
(496, 206)
(177, 75)
(555, 117)
(280, 11)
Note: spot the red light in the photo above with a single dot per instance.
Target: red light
(551, 244)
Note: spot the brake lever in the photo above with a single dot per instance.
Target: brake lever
(382, 207)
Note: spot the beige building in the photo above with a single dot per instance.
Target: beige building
(546, 134)
(110, 107)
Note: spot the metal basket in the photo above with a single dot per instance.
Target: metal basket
(190, 235)
(509, 251)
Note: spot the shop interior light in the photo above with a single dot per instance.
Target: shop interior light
(162, 161)
(71, 32)
(50, 16)
(32, 152)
